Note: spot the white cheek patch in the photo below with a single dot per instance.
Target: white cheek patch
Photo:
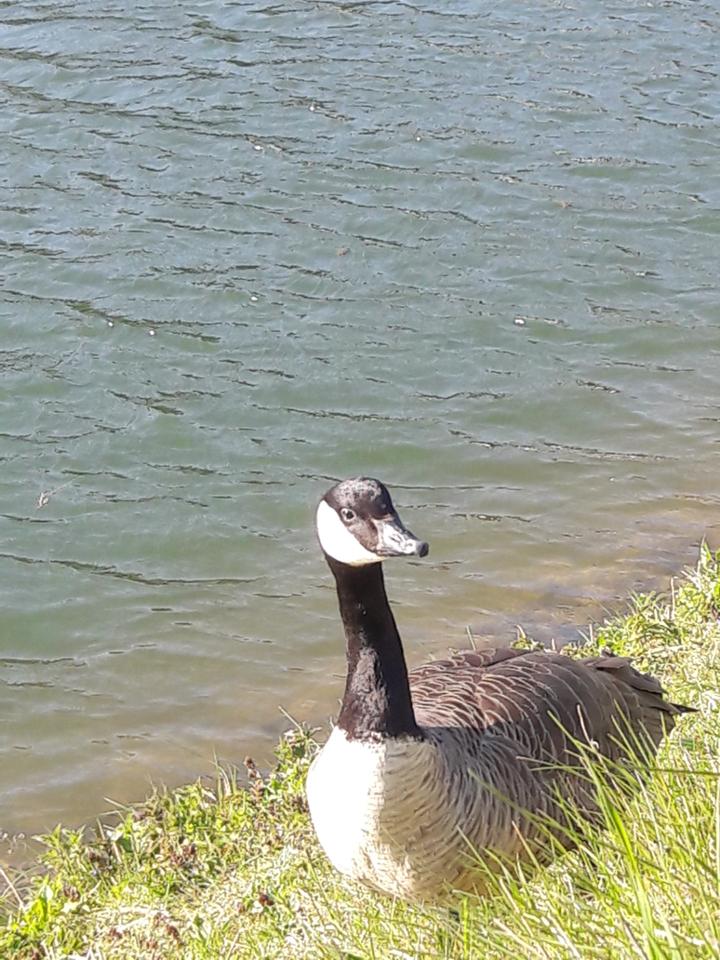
(337, 541)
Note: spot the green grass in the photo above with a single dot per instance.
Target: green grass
(214, 870)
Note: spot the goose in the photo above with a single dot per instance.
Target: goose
(428, 774)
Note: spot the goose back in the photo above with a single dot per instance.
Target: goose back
(542, 700)
(517, 721)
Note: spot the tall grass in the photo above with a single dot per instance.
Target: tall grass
(216, 870)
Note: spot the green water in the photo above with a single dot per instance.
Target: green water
(249, 248)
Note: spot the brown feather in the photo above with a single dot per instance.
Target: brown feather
(521, 718)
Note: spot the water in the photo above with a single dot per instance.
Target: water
(249, 248)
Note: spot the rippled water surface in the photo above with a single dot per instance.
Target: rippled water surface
(247, 248)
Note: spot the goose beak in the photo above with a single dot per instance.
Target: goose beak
(395, 540)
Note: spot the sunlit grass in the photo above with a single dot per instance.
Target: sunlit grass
(215, 870)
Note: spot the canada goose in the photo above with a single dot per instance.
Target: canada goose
(423, 768)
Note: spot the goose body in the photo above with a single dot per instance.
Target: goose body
(463, 758)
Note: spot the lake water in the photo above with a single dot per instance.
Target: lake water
(248, 248)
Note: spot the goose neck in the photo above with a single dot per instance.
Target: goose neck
(377, 701)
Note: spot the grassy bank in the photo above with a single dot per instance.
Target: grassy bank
(217, 871)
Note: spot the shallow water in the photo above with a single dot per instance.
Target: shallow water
(249, 248)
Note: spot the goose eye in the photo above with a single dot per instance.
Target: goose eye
(347, 514)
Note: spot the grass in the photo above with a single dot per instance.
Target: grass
(216, 870)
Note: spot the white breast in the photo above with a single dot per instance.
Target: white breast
(344, 788)
(382, 814)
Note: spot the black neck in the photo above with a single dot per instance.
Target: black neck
(377, 692)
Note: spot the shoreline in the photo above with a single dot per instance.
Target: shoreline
(218, 866)
(553, 617)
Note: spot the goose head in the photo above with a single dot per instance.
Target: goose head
(357, 524)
